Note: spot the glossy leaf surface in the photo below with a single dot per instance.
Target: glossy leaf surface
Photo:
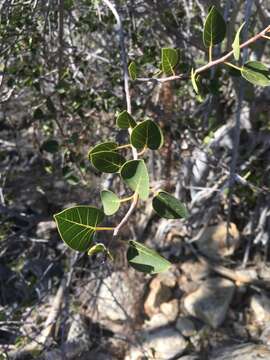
(106, 146)
(236, 43)
(96, 249)
(110, 202)
(146, 260)
(169, 59)
(124, 120)
(256, 73)
(77, 226)
(107, 161)
(147, 133)
(168, 207)
(135, 175)
(132, 69)
(214, 30)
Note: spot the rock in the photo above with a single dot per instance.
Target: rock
(117, 300)
(156, 321)
(195, 270)
(163, 345)
(211, 301)
(167, 278)
(78, 330)
(189, 357)
(185, 326)
(241, 352)
(78, 342)
(213, 241)
(170, 309)
(265, 336)
(192, 272)
(260, 306)
(44, 229)
(160, 292)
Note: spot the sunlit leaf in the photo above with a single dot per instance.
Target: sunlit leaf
(236, 43)
(168, 207)
(169, 59)
(214, 30)
(256, 73)
(146, 260)
(77, 226)
(97, 248)
(147, 133)
(110, 202)
(124, 120)
(135, 175)
(193, 81)
(132, 69)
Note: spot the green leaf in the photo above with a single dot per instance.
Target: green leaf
(132, 69)
(106, 146)
(107, 161)
(256, 73)
(124, 120)
(193, 81)
(147, 133)
(97, 248)
(135, 175)
(50, 146)
(214, 30)
(169, 58)
(110, 202)
(236, 43)
(168, 207)
(146, 260)
(105, 158)
(77, 226)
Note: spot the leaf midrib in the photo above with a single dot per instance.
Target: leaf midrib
(76, 223)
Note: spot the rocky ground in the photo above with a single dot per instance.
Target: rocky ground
(55, 304)
(196, 310)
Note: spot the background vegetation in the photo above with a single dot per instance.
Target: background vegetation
(61, 87)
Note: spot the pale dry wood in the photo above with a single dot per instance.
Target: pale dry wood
(40, 341)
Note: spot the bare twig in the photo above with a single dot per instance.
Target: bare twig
(128, 102)
(61, 38)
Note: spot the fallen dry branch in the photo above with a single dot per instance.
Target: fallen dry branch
(39, 343)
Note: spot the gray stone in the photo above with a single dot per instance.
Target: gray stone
(185, 326)
(170, 309)
(116, 298)
(156, 321)
(78, 330)
(265, 336)
(213, 241)
(159, 293)
(211, 301)
(260, 306)
(44, 229)
(78, 342)
(162, 345)
(241, 352)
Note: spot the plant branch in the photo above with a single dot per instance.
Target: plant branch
(128, 102)
(212, 63)
(230, 53)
